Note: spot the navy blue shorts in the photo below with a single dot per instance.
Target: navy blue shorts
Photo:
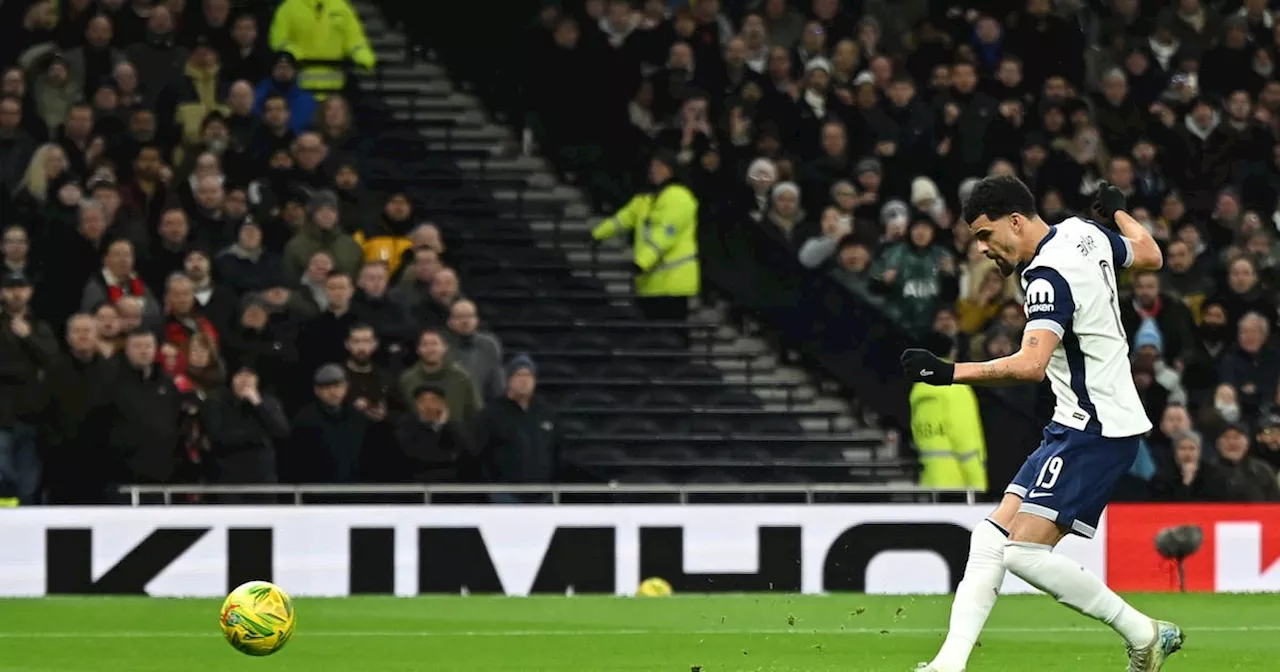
(1071, 476)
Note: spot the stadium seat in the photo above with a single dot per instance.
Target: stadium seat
(734, 399)
(674, 453)
(775, 425)
(695, 371)
(539, 311)
(558, 368)
(656, 340)
(587, 340)
(632, 426)
(519, 341)
(587, 398)
(622, 370)
(701, 424)
(602, 454)
(663, 398)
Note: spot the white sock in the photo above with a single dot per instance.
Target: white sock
(975, 596)
(1074, 586)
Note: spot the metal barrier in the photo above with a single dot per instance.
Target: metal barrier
(810, 493)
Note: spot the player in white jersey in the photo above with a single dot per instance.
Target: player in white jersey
(1074, 337)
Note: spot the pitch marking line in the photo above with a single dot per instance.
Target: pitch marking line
(607, 633)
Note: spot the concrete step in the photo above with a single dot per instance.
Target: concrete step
(504, 168)
(566, 226)
(468, 138)
(402, 72)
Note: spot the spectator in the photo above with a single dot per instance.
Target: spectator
(75, 466)
(1267, 440)
(141, 415)
(1253, 365)
(434, 448)
(1185, 279)
(519, 440)
(1171, 318)
(917, 275)
(372, 387)
(214, 301)
(445, 291)
(182, 321)
(96, 60)
(299, 103)
(109, 337)
(329, 434)
(271, 347)
(1249, 479)
(159, 58)
(479, 353)
(413, 293)
(323, 338)
(244, 426)
(393, 325)
(118, 280)
(168, 251)
(247, 266)
(1190, 478)
(247, 58)
(200, 91)
(322, 234)
(54, 91)
(29, 350)
(434, 368)
(385, 238)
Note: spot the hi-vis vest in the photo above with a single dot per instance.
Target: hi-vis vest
(947, 428)
(664, 230)
(321, 30)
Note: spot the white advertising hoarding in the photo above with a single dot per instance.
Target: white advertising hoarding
(515, 550)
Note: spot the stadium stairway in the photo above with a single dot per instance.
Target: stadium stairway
(639, 401)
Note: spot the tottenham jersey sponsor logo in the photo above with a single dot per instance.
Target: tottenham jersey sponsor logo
(1039, 296)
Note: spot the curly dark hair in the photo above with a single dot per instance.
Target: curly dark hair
(999, 196)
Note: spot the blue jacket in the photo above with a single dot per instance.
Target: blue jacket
(302, 105)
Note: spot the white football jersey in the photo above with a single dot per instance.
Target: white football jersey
(1070, 289)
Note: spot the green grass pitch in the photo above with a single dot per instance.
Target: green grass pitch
(748, 633)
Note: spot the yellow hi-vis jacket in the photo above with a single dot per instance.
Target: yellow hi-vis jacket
(947, 428)
(321, 30)
(664, 228)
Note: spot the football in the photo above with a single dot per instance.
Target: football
(257, 618)
(654, 587)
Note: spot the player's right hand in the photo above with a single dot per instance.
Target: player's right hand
(1108, 201)
(922, 366)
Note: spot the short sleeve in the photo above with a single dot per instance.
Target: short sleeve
(1121, 248)
(1049, 303)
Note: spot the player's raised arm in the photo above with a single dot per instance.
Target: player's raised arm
(1141, 250)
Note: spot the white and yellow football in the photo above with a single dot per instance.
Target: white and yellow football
(257, 618)
(654, 587)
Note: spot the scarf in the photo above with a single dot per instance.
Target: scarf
(1153, 312)
(116, 291)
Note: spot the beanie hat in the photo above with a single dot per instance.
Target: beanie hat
(322, 199)
(520, 362)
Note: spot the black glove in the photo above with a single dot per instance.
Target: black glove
(1109, 200)
(922, 366)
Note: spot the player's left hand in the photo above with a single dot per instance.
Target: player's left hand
(1109, 200)
(922, 366)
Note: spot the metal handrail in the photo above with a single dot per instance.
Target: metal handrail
(683, 491)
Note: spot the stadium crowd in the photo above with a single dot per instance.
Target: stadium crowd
(849, 133)
(197, 286)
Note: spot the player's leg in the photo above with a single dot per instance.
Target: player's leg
(1029, 555)
(976, 595)
(1068, 497)
(984, 570)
